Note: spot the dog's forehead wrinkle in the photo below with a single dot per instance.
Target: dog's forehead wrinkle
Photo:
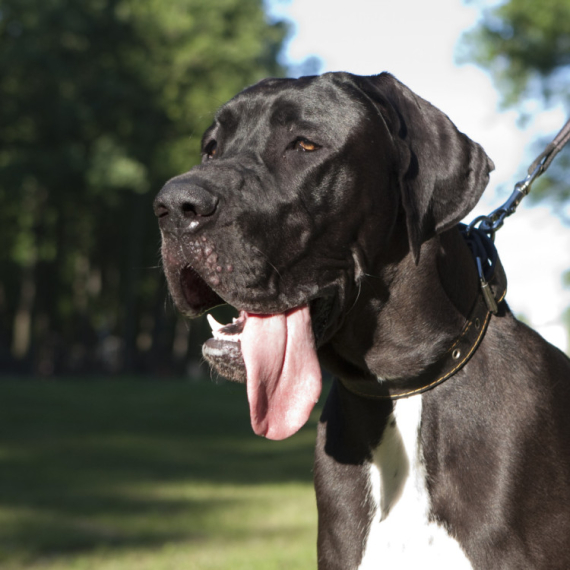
(225, 117)
(306, 104)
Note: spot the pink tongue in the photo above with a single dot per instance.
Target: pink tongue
(283, 373)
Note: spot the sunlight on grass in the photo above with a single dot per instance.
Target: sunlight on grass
(148, 475)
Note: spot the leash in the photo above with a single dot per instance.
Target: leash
(479, 236)
(494, 221)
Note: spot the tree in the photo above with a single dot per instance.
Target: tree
(101, 102)
(525, 45)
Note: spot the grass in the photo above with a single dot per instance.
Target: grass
(116, 475)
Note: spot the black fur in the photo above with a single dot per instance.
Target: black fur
(364, 223)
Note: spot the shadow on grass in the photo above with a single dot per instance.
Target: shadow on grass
(87, 465)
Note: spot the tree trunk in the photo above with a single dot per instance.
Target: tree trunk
(22, 334)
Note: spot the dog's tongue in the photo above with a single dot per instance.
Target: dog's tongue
(283, 373)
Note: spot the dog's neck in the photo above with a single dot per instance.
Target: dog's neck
(442, 288)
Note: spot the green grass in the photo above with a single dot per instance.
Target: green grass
(116, 475)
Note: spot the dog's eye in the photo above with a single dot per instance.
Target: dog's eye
(305, 145)
(211, 149)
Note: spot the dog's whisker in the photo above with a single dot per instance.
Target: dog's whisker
(357, 297)
(267, 260)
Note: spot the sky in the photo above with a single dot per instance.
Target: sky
(416, 40)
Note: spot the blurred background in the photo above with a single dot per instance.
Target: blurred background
(102, 101)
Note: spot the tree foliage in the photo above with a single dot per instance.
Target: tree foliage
(525, 45)
(101, 102)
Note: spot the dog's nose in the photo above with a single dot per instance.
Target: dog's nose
(183, 205)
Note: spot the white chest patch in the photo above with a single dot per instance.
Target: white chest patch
(401, 535)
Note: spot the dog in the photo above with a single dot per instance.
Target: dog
(326, 211)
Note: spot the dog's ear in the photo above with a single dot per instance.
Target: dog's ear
(442, 172)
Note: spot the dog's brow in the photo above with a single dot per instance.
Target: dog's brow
(226, 118)
(292, 116)
(285, 114)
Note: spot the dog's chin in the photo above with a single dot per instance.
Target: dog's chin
(225, 358)
(223, 350)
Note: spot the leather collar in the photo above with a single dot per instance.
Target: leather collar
(492, 291)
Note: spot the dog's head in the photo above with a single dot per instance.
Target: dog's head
(303, 185)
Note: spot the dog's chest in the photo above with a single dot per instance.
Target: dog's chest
(401, 534)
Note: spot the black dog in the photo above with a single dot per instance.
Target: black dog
(326, 211)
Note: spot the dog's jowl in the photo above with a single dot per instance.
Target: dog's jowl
(326, 210)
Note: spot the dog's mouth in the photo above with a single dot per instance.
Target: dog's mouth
(197, 294)
(274, 354)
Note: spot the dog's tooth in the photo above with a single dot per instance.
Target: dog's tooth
(214, 325)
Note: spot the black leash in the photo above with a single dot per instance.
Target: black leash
(492, 222)
(543, 160)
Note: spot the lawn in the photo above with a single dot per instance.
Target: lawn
(148, 475)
